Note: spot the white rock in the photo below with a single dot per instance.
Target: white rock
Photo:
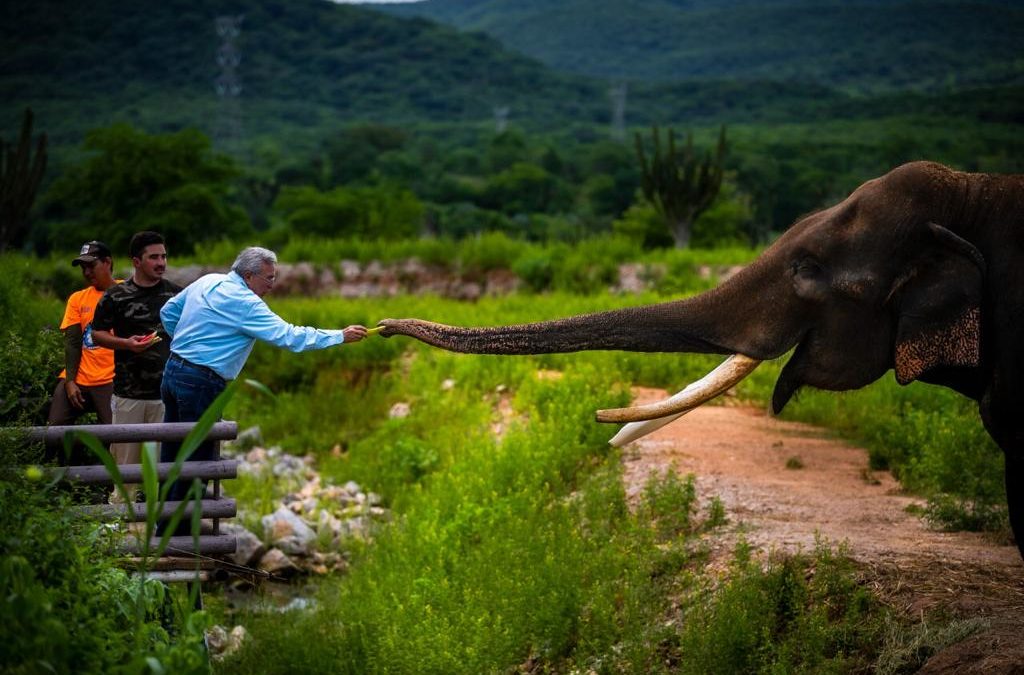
(399, 410)
(288, 532)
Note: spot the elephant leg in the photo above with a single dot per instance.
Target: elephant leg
(1000, 413)
(1015, 497)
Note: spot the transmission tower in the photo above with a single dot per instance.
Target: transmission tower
(227, 136)
(618, 96)
(500, 118)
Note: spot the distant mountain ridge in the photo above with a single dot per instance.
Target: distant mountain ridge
(310, 67)
(857, 45)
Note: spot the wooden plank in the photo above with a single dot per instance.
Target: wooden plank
(215, 544)
(164, 564)
(132, 473)
(210, 508)
(130, 433)
(177, 576)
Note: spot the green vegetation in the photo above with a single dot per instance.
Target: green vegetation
(68, 606)
(131, 181)
(519, 549)
(510, 550)
(858, 46)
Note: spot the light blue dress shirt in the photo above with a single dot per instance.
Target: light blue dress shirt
(216, 320)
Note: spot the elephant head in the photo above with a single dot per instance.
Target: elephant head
(878, 281)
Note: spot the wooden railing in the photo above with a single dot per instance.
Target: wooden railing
(213, 506)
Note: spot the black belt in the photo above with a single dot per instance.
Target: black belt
(205, 369)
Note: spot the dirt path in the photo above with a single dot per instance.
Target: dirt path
(741, 455)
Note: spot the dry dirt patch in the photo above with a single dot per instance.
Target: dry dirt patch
(740, 455)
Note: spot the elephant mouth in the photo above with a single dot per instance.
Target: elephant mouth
(644, 419)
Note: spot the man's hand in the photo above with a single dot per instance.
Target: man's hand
(354, 333)
(74, 394)
(140, 343)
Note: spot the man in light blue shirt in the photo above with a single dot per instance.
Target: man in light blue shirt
(213, 325)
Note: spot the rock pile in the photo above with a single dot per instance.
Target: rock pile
(314, 520)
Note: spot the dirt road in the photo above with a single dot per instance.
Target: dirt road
(740, 454)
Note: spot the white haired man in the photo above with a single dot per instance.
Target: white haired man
(213, 325)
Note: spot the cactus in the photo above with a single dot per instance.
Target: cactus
(20, 175)
(678, 184)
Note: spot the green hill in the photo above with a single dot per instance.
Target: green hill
(309, 68)
(858, 45)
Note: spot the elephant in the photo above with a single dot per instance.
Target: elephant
(920, 270)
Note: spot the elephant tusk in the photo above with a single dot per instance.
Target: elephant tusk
(656, 415)
(635, 430)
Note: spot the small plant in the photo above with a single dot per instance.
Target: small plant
(716, 516)
(670, 502)
(794, 463)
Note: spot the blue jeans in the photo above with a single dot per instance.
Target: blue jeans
(187, 391)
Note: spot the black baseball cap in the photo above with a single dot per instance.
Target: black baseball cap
(91, 252)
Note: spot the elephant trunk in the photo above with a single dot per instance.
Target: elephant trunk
(666, 327)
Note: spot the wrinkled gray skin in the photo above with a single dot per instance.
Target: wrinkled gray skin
(919, 271)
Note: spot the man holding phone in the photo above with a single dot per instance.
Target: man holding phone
(127, 320)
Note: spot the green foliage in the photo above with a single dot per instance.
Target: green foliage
(20, 175)
(670, 503)
(371, 212)
(799, 614)
(643, 224)
(29, 366)
(133, 181)
(67, 607)
(525, 188)
(31, 347)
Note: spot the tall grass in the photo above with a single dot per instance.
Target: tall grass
(505, 552)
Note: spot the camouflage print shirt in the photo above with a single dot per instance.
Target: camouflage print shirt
(129, 309)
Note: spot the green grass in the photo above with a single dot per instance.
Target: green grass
(517, 551)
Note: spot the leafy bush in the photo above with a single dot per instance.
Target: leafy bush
(132, 181)
(28, 376)
(384, 212)
(67, 606)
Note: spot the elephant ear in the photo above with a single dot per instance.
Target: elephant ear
(940, 307)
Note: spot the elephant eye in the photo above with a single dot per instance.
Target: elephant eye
(806, 267)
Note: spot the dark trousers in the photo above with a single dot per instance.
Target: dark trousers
(187, 391)
(62, 413)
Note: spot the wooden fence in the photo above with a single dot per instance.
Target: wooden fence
(179, 561)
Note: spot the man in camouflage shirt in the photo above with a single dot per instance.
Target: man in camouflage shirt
(127, 320)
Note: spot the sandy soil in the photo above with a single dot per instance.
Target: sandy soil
(740, 455)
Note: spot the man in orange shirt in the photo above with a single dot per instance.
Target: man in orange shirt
(87, 382)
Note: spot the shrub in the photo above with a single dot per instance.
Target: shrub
(67, 607)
